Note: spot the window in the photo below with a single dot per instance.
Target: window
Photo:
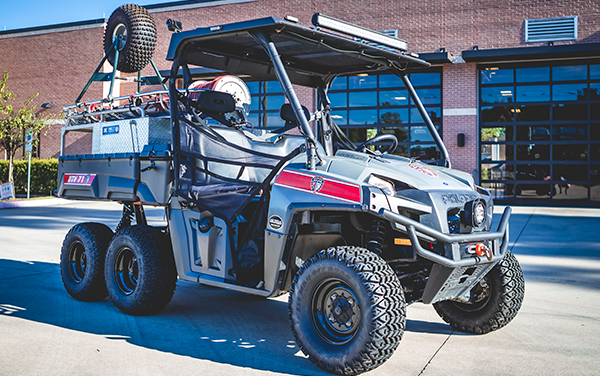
(267, 99)
(540, 131)
(365, 106)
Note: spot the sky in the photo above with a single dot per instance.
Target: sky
(18, 14)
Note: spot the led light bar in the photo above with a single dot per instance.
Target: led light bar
(334, 24)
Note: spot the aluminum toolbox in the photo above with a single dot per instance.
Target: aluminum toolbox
(130, 135)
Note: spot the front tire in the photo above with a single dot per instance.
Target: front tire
(82, 261)
(140, 271)
(497, 299)
(347, 310)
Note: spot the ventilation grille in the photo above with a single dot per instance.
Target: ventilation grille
(390, 33)
(551, 29)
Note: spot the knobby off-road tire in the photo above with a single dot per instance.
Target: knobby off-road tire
(497, 300)
(82, 261)
(347, 310)
(140, 270)
(137, 27)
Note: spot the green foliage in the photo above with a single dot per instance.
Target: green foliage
(43, 175)
(485, 173)
(390, 118)
(489, 133)
(15, 119)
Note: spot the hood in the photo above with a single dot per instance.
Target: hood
(359, 166)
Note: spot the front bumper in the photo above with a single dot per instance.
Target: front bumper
(454, 278)
(499, 240)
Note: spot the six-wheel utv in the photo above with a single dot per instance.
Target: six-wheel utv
(353, 233)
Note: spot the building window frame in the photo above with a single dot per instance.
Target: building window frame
(539, 131)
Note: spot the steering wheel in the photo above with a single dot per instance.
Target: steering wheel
(382, 137)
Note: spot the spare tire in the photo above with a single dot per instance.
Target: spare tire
(136, 30)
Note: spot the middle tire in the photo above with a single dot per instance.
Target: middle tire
(347, 310)
(140, 271)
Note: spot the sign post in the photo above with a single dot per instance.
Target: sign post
(28, 149)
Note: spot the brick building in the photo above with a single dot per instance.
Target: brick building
(514, 86)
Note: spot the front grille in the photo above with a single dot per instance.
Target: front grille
(454, 224)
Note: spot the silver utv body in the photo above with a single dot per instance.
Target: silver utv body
(323, 181)
(317, 197)
(351, 232)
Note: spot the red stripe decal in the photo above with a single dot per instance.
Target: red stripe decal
(319, 185)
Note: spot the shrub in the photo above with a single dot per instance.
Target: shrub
(43, 175)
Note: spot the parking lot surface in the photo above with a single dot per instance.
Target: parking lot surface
(209, 331)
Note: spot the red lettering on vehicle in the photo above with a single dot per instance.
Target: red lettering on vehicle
(79, 179)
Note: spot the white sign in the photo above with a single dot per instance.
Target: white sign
(5, 191)
(28, 141)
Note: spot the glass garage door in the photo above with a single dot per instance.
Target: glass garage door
(540, 132)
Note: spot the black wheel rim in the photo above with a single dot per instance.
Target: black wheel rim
(335, 311)
(120, 33)
(480, 296)
(77, 261)
(126, 271)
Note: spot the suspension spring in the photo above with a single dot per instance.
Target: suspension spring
(126, 218)
(376, 242)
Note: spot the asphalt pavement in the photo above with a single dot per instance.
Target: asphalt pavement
(210, 331)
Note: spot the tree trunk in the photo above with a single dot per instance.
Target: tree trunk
(10, 175)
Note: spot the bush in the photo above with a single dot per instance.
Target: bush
(43, 175)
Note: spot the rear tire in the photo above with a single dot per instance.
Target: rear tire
(82, 261)
(347, 310)
(140, 270)
(498, 299)
(138, 30)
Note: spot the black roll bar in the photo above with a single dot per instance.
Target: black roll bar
(290, 94)
(425, 116)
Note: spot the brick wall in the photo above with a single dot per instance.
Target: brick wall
(460, 114)
(57, 65)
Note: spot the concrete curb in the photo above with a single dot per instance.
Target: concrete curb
(33, 203)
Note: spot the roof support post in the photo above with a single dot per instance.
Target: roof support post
(425, 116)
(290, 94)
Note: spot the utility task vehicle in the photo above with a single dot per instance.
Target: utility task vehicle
(353, 234)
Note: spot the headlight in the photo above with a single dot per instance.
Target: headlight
(386, 186)
(474, 214)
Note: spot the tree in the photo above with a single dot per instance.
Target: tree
(14, 122)
(489, 133)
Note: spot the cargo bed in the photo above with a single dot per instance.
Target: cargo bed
(125, 177)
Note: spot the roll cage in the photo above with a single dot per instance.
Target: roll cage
(276, 49)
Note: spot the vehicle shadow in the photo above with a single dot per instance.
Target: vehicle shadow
(200, 322)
